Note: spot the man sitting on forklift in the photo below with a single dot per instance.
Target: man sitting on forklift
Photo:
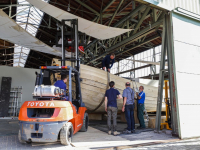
(62, 84)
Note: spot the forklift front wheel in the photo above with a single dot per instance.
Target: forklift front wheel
(85, 123)
(66, 134)
(20, 137)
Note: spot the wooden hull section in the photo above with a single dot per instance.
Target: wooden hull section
(95, 82)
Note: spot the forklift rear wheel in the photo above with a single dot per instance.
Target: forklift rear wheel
(66, 134)
(85, 123)
(20, 137)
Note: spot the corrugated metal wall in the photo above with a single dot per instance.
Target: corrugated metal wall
(190, 5)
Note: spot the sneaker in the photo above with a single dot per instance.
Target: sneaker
(132, 131)
(116, 133)
(127, 132)
(109, 132)
(140, 127)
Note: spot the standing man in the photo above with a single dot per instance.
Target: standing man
(140, 107)
(111, 107)
(62, 84)
(128, 107)
(108, 62)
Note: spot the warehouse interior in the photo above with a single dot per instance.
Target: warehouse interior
(159, 50)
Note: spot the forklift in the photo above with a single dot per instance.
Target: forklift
(50, 118)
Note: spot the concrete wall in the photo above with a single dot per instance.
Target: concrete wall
(20, 77)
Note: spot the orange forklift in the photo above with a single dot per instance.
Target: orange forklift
(50, 117)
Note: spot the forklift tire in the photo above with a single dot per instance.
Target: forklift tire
(20, 137)
(85, 123)
(66, 134)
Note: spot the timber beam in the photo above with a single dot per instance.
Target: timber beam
(88, 7)
(132, 69)
(133, 13)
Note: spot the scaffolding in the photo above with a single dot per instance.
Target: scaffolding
(15, 101)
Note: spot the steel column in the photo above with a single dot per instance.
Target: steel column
(161, 78)
(171, 74)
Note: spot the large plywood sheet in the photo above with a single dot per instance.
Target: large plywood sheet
(88, 27)
(12, 32)
(187, 54)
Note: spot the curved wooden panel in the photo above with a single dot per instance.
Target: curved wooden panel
(94, 85)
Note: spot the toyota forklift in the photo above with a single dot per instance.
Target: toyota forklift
(50, 118)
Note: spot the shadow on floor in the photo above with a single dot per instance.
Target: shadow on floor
(102, 126)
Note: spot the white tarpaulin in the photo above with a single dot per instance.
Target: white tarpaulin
(88, 27)
(12, 32)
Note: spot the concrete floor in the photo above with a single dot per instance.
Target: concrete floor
(95, 138)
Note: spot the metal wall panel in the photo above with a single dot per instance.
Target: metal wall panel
(190, 5)
(186, 33)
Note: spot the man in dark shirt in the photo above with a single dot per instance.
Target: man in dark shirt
(108, 62)
(62, 84)
(111, 107)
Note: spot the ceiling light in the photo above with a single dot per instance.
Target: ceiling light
(68, 9)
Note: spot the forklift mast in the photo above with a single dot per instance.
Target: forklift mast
(72, 34)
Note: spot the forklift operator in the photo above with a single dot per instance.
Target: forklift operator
(62, 85)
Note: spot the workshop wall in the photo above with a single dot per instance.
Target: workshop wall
(24, 77)
(186, 54)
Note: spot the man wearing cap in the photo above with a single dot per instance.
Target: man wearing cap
(128, 108)
(111, 96)
(140, 107)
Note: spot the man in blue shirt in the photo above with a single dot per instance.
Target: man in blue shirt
(128, 107)
(62, 84)
(140, 107)
(108, 62)
(111, 106)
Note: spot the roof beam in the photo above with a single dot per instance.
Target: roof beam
(141, 20)
(115, 12)
(134, 12)
(15, 5)
(140, 44)
(128, 40)
(88, 7)
(109, 4)
(132, 69)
